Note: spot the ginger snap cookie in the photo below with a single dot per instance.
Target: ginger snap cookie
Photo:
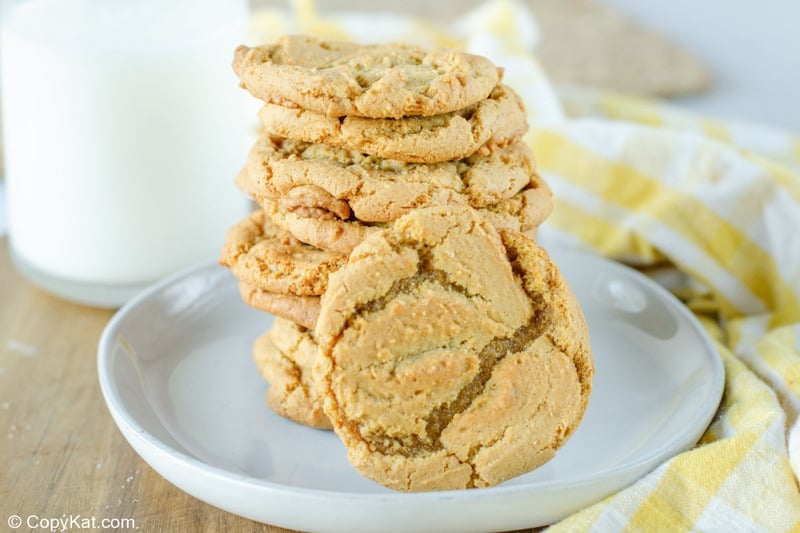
(284, 356)
(268, 257)
(377, 81)
(451, 355)
(303, 310)
(494, 122)
(317, 227)
(373, 189)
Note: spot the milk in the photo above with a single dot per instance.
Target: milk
(124, 127)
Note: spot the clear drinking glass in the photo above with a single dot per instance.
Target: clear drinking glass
(124, 127)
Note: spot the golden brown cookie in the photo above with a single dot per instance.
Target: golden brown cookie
(349, 184)
(284, 356)
(494, 122)
(304, 310)
(378, 81)
(268, 257)
(317, 227)
(451, 356)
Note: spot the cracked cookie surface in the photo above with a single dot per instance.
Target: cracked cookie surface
(320, 228)
(349, 184)
(377, 81)
(453, 355)
(284, 356)
(268, 257)
(492, 123)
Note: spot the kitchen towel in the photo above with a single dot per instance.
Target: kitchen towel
(726, 220)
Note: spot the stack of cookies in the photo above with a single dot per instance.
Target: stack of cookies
(413, 314)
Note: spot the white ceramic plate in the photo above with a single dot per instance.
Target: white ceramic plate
(176, 372)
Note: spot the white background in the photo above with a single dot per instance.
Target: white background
(752, 48)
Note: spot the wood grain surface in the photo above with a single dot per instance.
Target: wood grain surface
(60, 453)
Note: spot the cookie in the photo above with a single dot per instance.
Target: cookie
(267, 257)
(303, 310)
(377, 81)
(284, 357)
(372, 189)
(451, 355)
(494, 122)
(523, 212)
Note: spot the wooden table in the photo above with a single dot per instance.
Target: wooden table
(60, 453)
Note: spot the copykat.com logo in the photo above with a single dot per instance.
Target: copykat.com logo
(67, 522)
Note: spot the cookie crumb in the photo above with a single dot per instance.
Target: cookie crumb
(22, 348)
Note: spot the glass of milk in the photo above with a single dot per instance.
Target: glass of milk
(124, 127)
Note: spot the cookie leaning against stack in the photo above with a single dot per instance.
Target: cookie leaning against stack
(358, 141)
(452, 355)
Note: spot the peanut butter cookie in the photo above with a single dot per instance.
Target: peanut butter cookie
(284, 357)
(303, 310)
(349, 184)
(377, 81)
(268, 257)
(320, 228)
(494, 122)
(451, 355)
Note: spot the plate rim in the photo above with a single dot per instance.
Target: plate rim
(122, 417)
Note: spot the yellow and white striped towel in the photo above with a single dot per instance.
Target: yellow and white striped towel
(727, 219)
(717, 202)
